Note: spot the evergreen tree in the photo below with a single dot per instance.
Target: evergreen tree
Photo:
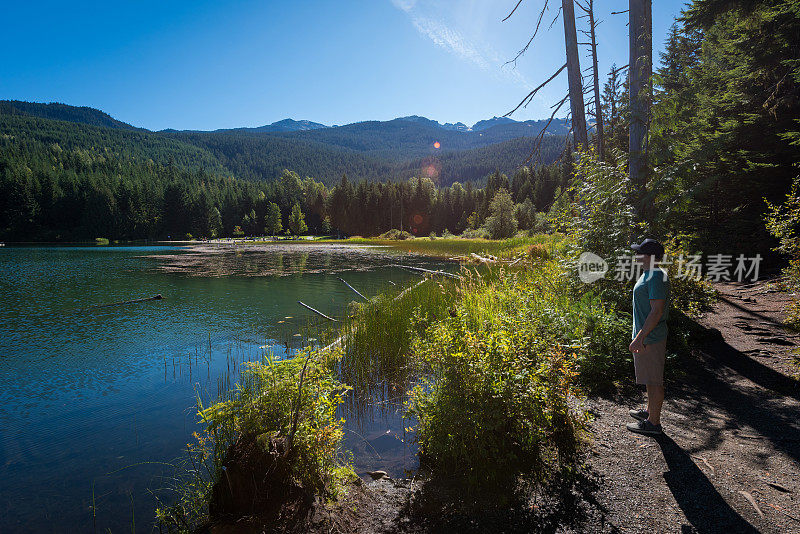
(272, 220)
(501, 222)
(297, 223)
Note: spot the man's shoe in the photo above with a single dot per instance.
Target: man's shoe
(639, 415)
(645, 427)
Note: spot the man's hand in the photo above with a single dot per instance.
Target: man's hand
(636, 345)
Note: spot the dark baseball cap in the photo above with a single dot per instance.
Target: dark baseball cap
(649, 247)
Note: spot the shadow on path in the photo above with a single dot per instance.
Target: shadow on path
(703, 506)
(711, 393)
(721, 353)
(759, 315)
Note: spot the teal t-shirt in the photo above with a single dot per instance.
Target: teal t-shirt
(653, 284)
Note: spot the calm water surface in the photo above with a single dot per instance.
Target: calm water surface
(96, 401)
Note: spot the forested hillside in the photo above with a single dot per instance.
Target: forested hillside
(48, 193)
(411, 137)
(63, 112)
(69, 181)
(372, 150)
(28, 132)
(261, 157)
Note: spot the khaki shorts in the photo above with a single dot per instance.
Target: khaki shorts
(649, 363)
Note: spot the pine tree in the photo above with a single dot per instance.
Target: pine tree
(272, 220)
(297, 223)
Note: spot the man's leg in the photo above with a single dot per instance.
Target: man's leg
(655, 398)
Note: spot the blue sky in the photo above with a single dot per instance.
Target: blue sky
(207, 65)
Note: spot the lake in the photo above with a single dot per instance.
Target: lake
(98, 398)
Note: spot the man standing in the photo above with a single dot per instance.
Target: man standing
(650, 314)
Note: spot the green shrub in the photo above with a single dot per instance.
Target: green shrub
(501, 223)
(494, 406)
(690, 294)
(396, 234)
(475, 233)
(783, 222)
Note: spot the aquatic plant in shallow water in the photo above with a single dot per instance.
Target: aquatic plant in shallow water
(377, 338)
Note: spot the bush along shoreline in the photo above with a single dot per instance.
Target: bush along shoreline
(494, 365)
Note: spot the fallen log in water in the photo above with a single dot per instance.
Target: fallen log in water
(354, 289)
(339, 340)
(483, 259)
(429, 271)
(303, 304)
(154, 297)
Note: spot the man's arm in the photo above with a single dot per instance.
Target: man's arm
(656, 311)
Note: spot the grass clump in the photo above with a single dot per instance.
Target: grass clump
(396, 234)
(450, 247)
(274, 437)
(377, 336)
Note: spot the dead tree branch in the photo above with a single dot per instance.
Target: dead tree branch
(540, 136)
(525, 101)
(512, 11)
(535, 31)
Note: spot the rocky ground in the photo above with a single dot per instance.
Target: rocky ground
(729, 460)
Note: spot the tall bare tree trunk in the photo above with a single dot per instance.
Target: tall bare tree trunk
(598, 109)
(574, 76)
(640, 69)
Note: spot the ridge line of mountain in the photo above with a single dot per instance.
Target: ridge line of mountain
(97, 117)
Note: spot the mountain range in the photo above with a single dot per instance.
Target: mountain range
(371, 150)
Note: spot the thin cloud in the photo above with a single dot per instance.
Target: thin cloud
(450, 40)
(445, 36)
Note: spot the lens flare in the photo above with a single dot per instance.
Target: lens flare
(431, 168)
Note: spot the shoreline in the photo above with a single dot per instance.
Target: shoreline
(721, 466)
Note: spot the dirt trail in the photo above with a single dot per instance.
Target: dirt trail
(730, 460)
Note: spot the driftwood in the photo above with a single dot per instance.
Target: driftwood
(705, 461)
(303, 304)
(154, 297)
(338, 341)
(353, 289)
(747, 495)
(483, 259)
(420, 269)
